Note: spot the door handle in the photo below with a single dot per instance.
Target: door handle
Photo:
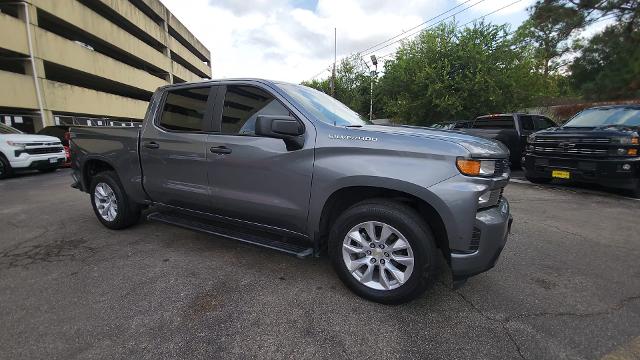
(151, 145)
(220, 150)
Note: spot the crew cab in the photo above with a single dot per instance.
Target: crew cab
(20, 152)
(290, 168)
(510, 129)
(598, 145)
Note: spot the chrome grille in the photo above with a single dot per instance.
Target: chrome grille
(570, 150)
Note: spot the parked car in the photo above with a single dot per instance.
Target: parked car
(510, 129)
(290, 168)
(598, 145)
(62, 133)
(19, 152)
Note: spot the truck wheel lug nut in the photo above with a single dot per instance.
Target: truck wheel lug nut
(386, 254)
(373, 261)
(372, 245)
(382, 261)
(368, 252)
(381, 246)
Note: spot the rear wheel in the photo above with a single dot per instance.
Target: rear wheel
(110, 203)
(5, 167)
(383, 251)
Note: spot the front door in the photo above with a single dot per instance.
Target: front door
(255, 178)
(173, 149)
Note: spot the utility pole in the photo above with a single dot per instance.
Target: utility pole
(373, 73)
(333, 72)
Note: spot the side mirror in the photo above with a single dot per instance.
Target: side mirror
(286, 128)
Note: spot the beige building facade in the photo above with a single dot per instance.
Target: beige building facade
(90, 58)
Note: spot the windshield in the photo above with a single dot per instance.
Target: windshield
(323, 106)
(4, 129)
(603, 117)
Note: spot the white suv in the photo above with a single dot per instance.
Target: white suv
(19, 151)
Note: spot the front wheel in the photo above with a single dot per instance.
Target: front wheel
(110, 203)
(383, 251)
(5, 167)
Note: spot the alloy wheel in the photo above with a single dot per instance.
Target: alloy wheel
(106, 202)
(378, 255)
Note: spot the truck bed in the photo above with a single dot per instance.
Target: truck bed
(116, 146)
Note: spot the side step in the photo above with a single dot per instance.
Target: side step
(195, 224)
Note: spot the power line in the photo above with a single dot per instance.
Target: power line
(415, 27)
(428, 27)
(457, 26)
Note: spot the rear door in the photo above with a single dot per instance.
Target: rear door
(254, 178)
(172, 148)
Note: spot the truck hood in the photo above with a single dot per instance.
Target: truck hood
(29, 138)
(477, 146)
(589, 132)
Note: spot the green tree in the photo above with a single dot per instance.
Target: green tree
(447, 73)
(549, 29)
(609, 65)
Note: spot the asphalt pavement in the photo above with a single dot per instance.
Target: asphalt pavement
(567, 286)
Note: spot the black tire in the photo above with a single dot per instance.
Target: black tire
(5, 167)
(128, 212)
(538, 180)
(48, 170)
(413, 228)
(636, 192)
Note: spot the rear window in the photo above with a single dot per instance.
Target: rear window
(498, 122)
(184, 109)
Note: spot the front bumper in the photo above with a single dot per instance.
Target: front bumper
(28, 162)
(607, 172)
(491, 228)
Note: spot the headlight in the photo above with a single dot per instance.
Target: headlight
(16, 144)
(626, 140)
(472, 167)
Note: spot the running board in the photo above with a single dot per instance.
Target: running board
(195, 224)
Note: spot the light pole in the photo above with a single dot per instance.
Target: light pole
(373, 73)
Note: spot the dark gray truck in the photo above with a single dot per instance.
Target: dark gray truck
(510, 129)
(290, 168)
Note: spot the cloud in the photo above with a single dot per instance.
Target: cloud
(292, 40)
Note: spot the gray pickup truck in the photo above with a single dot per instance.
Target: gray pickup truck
(289, 168)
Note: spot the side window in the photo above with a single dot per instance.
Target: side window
(495, 122)
(184, 109)
(543, 123)
(527, 122)
(243, 104)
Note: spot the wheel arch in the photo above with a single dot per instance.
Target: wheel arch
(93, 166)
(344, 197)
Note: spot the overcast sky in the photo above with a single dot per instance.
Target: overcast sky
(292, 40)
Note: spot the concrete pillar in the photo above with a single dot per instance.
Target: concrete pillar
(35, 67)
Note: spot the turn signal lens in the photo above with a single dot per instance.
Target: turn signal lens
(469, 167)
(632, 152)
(635, 141)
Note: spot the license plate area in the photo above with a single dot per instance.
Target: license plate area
(53, 160)
(560, 174)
